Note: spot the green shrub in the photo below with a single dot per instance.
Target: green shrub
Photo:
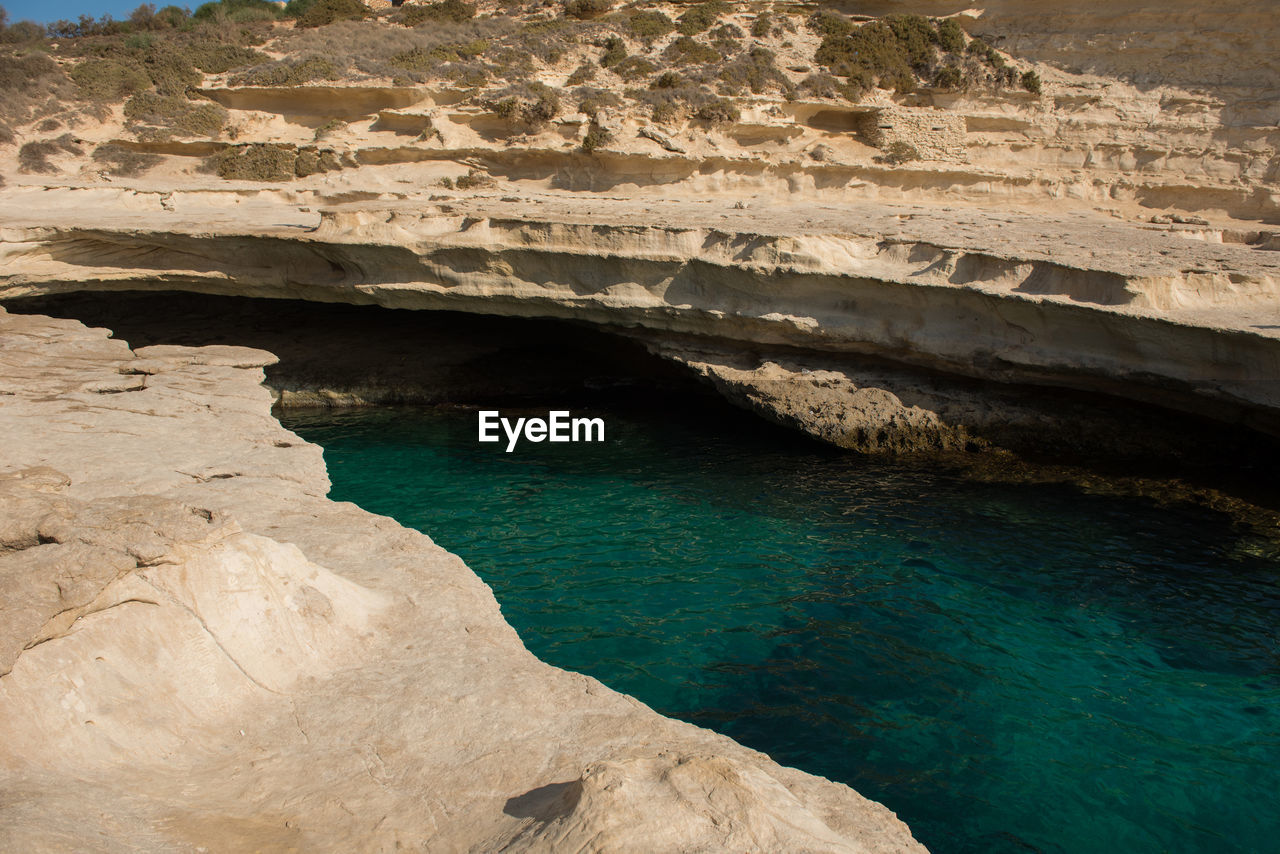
(821, 85)
(634, 68)
(717, 112)
(254, 162)
(328, 129)
(756, 71)
(171, 69)
(123, 161)
(456, 11)
(990, 55)
(859, 83)
(534, 104)
(666, 80)
(108, 79)
(666, 114)
(34, 156)
(290, 72)
(586, 9)
(237, 11)
(30, 84)
(216, 58)
(918, 38)
(584, 73)
(701, 17)
(689, 51)
(419, 59)
(324, 12)
(649, 26)
(831, 25)
(727, 39)
(176, 114)
(591, 100)
(475, 179)
(171, 17)
(297, 8)
(870, 52)
(597, 137)
(897, 153)
(762, 25)
(1031, 82)
(310, 161)
(615, 50)
(948, 77)
(950, 35)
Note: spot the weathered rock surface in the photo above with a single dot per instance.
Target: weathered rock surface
(1142, 312)
(202, 652)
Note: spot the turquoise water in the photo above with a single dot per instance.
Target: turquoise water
(1009, 668)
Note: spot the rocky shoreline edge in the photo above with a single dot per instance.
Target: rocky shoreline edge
(201, 651)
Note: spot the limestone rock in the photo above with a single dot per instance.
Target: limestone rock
(665, 140)
(199, 650)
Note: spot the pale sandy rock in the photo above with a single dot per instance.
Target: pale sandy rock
(200, 651)
(1085, 302)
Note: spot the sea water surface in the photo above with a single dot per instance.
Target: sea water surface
(1009, 668)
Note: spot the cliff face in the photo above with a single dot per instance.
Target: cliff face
(1152, 313)
(200, 651)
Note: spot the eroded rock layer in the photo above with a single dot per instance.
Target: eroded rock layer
(1154, 314)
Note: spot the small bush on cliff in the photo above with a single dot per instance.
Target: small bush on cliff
(31, 85)
(831, 25)
(585, 10)
(718, 112)
(534, 104)
(214, 58)
(237, 11)
(108, 79)
(419, 59)
(820, 85)
(689, 51)
(256, 162)
(294, 72)
(917, 37)
(475, 179)
(1031, 82)
(755, 71)
(449, 10)
(325, 12)
(949, 77)
(597, 137)
(584, 73)
(650, 26)
(897, 153)
(950, 35)
(701, 17)
(634, 68)
(124, 162)
(615, 50)
(591, 101)
(174, 115)
(666, 80)
(727, 39)
(34, 156)
(872, 50)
